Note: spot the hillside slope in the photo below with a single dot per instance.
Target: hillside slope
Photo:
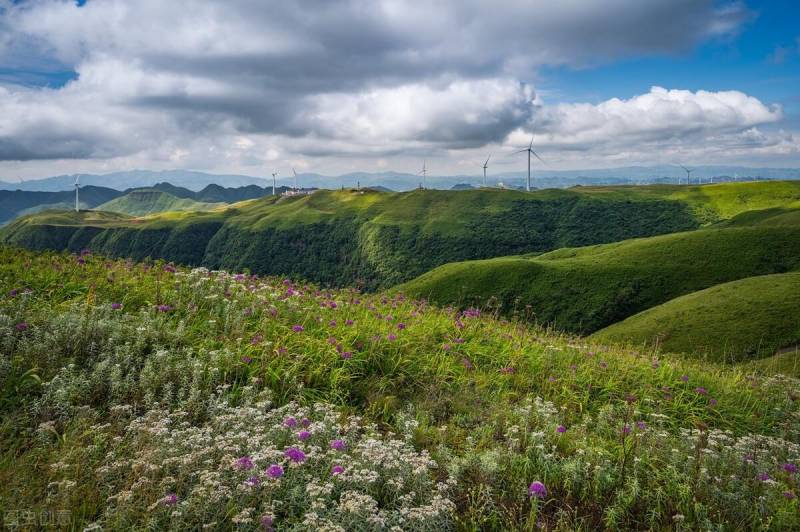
(379, 239)
(585, 289)
(142, 202)
(731, 322)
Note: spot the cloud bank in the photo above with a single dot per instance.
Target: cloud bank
(244, 83)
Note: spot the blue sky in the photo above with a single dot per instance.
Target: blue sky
(350, 85)
(763, 61)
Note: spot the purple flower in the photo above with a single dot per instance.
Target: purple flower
(459, 341)
(22, 326)
(763, 477)
(253, 481)
(332, 323)
(338, 445)
(685, 378)
(508, 370)
(626, 429)
(701, 390)
(391, 337)
(641, 425)
(290, 422)
(164, 308)
(305, 422)
(245, 463)
(170, 500)
(295, 455)
(561, 429)
(712, 402)
(337, 470)
(246, 359)
(274, 471)
(537, 489)
(298, 328)
(347, 354)
(256, 339)
(446, 347)
(789, 495)
(266, 522)
(790, 468)
(401, 326)
(13, 292)
(116, 306)
(349, 322)
(303, 435)
(603, 364)
(467, 363)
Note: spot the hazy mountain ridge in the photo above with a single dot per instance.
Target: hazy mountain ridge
(543, 178)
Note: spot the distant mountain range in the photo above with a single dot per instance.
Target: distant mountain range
(197, 181)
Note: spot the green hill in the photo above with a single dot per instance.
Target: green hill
(141, 202)
(380, 239)
(731, 322)
(15, 203)
(585, 289)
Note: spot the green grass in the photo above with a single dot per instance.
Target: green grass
(377, 239)
(142, 202)
(92, 394)
(586, 289)
(731, 322)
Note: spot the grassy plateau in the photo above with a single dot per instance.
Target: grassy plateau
(148, 396)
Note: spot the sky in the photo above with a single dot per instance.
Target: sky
(335, 86)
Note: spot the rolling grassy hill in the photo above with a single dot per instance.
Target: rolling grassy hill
(15, 203)
(585, 289)
(739, 321)
(380, 239)
(150, 397)
(142, 202)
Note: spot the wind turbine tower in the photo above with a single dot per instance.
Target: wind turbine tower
(688, 174)
(424, 173)
(530, 151)
(274, 181)
(295, 179)
(77, 186)
(485, 166)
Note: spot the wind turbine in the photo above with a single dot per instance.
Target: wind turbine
(295, 179)
(688, 174)
(530, 151)
(485, 166)
(77, 185)
(423, 173)
(274, 181)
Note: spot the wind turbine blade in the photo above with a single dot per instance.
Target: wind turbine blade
(487, 159)
(520, 151)
(530, 146)
(294, 172)
(684, 168)
(537, 155)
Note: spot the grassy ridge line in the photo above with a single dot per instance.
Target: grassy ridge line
(344, 237)
(381, 239)
(585, 289)
(731, 322)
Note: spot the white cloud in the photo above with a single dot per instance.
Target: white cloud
(243, 84)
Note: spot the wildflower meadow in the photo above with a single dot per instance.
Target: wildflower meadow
(148, 396)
